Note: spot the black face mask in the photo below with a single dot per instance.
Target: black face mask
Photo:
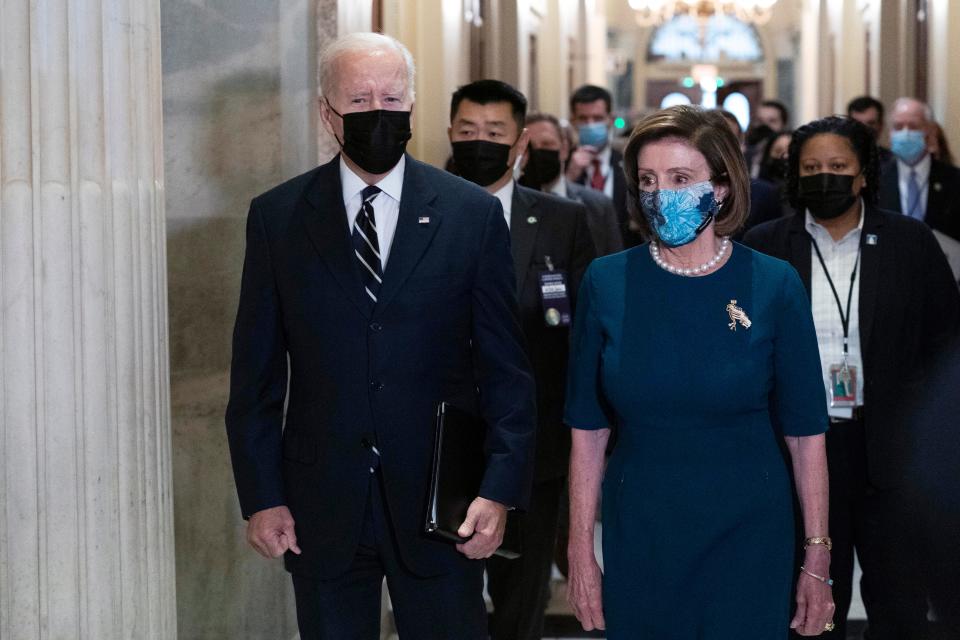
(481, 162)
(543, 167)
(375, 140)
(826, 195)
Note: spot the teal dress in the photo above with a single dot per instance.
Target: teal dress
(701, 377)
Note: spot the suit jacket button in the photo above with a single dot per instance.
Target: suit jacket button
(376, 386)
(376, 326)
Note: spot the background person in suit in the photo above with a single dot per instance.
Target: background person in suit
(549, 236)
(869, 111)
(880, 280)
(913, 183)
(340, 265)
(543, 166)
(594, 163)
(765, 197)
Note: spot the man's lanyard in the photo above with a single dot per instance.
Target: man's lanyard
(844, 316)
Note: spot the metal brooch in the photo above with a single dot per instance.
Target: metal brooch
(737, 315)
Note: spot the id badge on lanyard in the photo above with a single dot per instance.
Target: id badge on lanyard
(842, 377)
(554, 296)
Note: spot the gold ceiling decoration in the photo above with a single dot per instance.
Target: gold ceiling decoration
(654, 12)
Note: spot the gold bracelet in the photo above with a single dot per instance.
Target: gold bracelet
(824, 540)
(826, 581)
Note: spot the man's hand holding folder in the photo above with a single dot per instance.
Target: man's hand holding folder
(485, 521)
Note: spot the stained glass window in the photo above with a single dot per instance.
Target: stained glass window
(722, 37)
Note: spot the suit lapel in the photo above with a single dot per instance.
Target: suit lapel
(889, 195)
(936, 196)
(412, 236)
(524, 224)
(799, 248)
(325, 219)
(869, 274)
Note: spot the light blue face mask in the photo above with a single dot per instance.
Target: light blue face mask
(909, 145)
(593, 134)
(678, 216)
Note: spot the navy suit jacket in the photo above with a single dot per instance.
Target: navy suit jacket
(445, 327)
(543, 225)
(943, 195)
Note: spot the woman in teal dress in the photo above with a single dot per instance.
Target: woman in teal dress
(702, 354)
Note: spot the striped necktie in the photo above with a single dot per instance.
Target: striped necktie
(366, 247)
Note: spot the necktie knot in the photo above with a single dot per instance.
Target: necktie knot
(370, 193)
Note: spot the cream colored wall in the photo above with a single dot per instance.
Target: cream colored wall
(436, 34)
(944, 56)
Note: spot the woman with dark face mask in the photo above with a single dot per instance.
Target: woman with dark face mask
(884, 304)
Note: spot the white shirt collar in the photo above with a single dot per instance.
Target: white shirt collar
(818, 231)
(605, 156)
(505, 196)
(391, 184)
(559, 187)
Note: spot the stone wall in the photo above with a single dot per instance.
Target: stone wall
(239, 117)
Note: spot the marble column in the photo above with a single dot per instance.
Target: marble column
(86, 519)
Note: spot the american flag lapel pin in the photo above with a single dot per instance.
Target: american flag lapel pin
(424, 219)
(871, 238)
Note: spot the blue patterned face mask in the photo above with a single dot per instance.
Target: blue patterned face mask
(909, 145)
(678, 216)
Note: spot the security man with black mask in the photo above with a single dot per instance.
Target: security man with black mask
(551, 248)
(543, 170)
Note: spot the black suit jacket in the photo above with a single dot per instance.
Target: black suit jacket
(909, 311)
(630, 239)
(544, 225)
(445, 328)
(601, 218)
(943, 195)
(765, 203)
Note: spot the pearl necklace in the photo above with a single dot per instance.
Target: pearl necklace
(680, 271)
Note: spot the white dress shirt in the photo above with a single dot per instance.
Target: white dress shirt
(505, 196)
(386, 207)
(923, 181)
(840, 258)
(605, 170)
(559, 187)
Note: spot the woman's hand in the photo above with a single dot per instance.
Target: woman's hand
(814, 598)
(584, 587)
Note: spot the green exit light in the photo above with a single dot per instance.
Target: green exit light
(687, 82)
(720, 82)
(619, 123)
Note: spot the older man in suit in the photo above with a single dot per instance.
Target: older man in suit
(543, 167)
(913, 183)
(551, 250)
(373, 288)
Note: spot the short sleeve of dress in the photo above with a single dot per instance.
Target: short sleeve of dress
(799, 403)
(586, 407)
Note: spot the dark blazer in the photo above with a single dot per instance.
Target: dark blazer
(445, 328)
(544, 225)
(943, 195)
(909, 311)
(630, 239)
(765, 203)
(601, 218)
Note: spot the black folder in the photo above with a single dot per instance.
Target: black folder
(458, 466)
